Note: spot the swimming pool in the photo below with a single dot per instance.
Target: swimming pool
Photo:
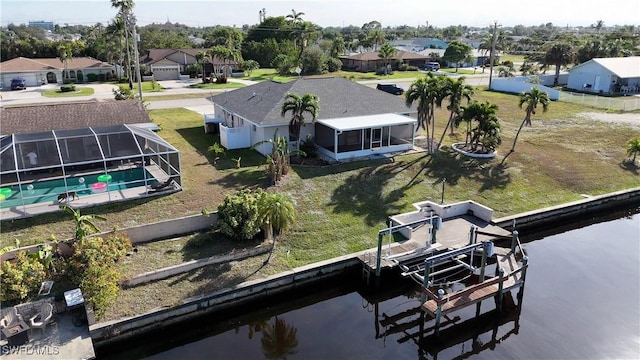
(47, 190)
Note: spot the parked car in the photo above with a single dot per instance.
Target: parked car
(390, 88)
(18, 84)
(431, 66)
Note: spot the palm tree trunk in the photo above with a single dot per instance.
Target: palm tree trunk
(445, 129)
(513, 147)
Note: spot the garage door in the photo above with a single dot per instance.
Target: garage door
(166, 74)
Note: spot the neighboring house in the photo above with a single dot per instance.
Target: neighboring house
(38, 72)
(168, 64)
(607, 76)
(478, 57)
(419, 44)
(354, 120)
(370, 61)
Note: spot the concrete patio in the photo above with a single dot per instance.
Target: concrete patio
(61, 340)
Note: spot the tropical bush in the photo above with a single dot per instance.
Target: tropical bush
(67, 88)
(238, 215)
(21, 278)
(309, 147)
(123, 92)
(334, 64)
(92, 77)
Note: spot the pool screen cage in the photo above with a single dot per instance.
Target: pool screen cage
(79, 158)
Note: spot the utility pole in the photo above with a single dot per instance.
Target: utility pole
(493, 49)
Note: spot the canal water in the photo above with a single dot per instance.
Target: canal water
(581, 301)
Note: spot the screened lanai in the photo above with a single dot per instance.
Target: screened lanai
(84, 167)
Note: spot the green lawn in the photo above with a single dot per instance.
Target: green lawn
(80, 91)
(271, 74)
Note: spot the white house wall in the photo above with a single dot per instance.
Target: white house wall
(593, 74)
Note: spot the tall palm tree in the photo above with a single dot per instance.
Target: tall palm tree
(386, 53)
(201, 57)
(279, 340)
(425, 91)
(531, 99)
(598, 26)
(376, 37)
(65, 53)
(84, 224)
(276, 213)
(125, 7)
(633, 149)
(559, 54)
(298, 106)
(456, 91)
(295, 18)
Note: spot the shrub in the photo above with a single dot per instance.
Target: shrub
(309, 147)
(238, 215)
(92, 77)
(93, 267)
(67, 88)
(381, 71)
(334, 64)
(403, 67)
(123, 92)
(21, 277)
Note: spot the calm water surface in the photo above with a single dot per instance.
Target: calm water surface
(581, 301)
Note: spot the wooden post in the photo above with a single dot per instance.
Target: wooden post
(439, 311)
(500, 290)
(514, 240)
(425, 280)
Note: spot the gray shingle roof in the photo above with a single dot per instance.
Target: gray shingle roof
(76, 115)
(338, 97)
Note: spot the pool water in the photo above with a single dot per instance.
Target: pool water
(47, 191)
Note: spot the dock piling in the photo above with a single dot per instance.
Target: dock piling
(514, 240)
(439, 311)
(500, 290)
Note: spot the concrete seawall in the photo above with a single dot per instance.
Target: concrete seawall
(570, 211)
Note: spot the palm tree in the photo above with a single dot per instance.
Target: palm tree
(531, 98)
(65, 53)
(84, 224)
(201, 56)
(456, 91)
(295, 18)
(279, 159)
(633, 149)
(298, 106)
(386, 52)
(425, 91)
(125, 7)
(559, 54)
(376, 37)
(221, 56)
(598, 26)
(279, 340)
(276, 213)
(486, 134)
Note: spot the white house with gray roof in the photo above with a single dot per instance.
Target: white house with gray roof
(354, 120)
(607, 76)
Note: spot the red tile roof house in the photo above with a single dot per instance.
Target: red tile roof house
(354, 120)
(370, 61)
(168, 64)
(38, 72)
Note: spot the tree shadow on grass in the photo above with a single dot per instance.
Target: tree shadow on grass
(213, 243)
(201, 142)
(243, 178)
(629, 166)
(306, 172)
(362, 194)
(452, 167)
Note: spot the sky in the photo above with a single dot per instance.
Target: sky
(200, 13)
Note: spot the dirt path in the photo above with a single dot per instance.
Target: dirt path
(630, 119)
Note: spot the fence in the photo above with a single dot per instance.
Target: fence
(628, 103)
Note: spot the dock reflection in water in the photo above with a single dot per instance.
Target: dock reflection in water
(564, 314)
